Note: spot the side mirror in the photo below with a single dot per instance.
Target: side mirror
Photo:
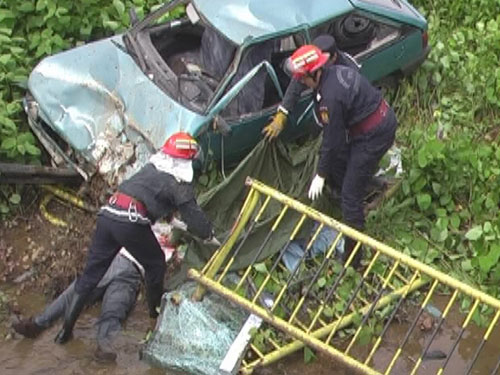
(221, 124)
(133, 16)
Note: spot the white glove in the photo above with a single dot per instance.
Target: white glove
(316, 187)
(179, 224)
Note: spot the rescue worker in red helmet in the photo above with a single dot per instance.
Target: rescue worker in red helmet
(160, 188)
(326, 43)
(358, 129)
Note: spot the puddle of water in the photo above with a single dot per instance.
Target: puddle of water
(460, 359)
(43, 356)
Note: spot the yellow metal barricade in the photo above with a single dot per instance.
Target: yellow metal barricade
(315, 303)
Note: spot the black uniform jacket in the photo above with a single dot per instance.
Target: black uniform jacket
(343, 99)
(163, 195)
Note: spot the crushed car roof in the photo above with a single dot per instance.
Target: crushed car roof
(238, 19)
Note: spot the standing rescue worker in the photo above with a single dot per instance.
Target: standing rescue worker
(160, 188)
(292, 94)
(358, 129)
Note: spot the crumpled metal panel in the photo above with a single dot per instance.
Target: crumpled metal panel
(98, 100)
(238, 19)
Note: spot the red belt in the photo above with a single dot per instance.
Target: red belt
(127, 202)
(371, 121)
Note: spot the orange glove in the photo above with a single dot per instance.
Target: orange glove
(274, 128)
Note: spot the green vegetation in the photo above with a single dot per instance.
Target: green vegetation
(31, 30)
(448, 207)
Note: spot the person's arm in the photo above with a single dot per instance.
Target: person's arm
(292, 95)
(334, 137)
(347, 60)
(278, 123)
(196, 220)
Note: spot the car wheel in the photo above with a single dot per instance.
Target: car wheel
(353, 31)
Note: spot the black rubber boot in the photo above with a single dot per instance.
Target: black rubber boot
(348, 249)
(71, 315)
(28, 328)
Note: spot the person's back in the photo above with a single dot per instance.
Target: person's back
(347, 93)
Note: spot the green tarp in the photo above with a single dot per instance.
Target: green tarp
(288, 168)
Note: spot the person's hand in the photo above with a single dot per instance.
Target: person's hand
(179, 224)
(274, 128)
(316, 187)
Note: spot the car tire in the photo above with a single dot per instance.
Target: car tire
(353, 31)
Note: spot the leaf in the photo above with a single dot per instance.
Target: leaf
(260, 267)
(26, 7)
(424, 201)
(113, 25)
(7, 122)
(422, 158)
(32, 150)
(309, 355)
(474, 233)
(321, 282)
(120, 8)
(15, 198)
(21, 149)
(9, 143)
(467, 265)
(455, 221)
(5, 59)
(486, 262)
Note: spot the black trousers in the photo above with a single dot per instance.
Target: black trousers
(139, 240)
(353, 168)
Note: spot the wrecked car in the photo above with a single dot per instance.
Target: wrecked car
(217, 73)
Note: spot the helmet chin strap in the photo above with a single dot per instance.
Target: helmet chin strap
(317, 77)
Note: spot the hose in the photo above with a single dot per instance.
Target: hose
(54, 192)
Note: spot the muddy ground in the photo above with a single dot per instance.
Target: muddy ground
(39, 259)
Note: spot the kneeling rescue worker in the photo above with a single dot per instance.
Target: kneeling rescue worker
(358, 129)
(160, 188)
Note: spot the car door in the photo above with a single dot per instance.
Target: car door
(251, 98)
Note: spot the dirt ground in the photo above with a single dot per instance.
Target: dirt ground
(39, 260)
(38, 256)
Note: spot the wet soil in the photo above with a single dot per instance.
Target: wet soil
(38, 260)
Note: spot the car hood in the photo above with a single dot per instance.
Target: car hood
(94, 94)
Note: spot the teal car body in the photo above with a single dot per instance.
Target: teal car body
(108, 105)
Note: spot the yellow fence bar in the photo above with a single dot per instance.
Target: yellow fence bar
(317, 296)
(311, 340)
(387, 250)
(217, 260)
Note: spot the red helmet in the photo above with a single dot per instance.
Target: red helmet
(307, 59)
(181, 145)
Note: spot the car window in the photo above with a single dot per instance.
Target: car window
(261, 92)
(357, 34)
(192, 56)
